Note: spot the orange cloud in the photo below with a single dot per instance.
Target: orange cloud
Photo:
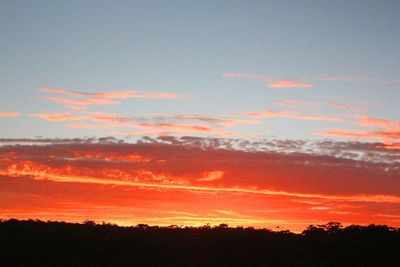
(376, 122)
(81, 104)
(93, 126)
(269, 81)
(358, 79)
(211, 176)
(221, 121)
(295, 103)
(103, 98)
(292, 115)
(101, 120)
(116, 94)
(58, 117)
(92, 180)
(287, 83)
(168, 129)
(390, 147)
(389, 134)
(359, 107)
(9, 114)
(386, 136)
(181, 128)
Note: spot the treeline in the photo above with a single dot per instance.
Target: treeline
(38, 243)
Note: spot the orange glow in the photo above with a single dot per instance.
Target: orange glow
(28, 170)
(187, 185)
(110, 156)
(390, 147)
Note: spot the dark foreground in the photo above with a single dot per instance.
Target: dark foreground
(37, 243)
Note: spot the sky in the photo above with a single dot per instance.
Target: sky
(257, 113)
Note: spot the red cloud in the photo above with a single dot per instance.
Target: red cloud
(211, 176)
(390, 147)
(192, 184)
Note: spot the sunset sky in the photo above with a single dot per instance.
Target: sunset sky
(252, 113)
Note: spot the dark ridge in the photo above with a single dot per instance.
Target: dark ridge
(38, 243)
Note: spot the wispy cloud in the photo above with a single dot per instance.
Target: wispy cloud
(288, 83)
(288, 114)
(218, 120)
(97, 117)
(293, 103)
(376, 122)
(181, 128)
(84, 99)
(353, 107)
(388, 133)
(9, 114)
(81, 104)
(211, 176)
(344, 78)
(246, 76)
(386, 136)
(274, 83)
(116, 94)
(358, 79)
(57, 117)
(291, 83)
(350, 107)
(94, 126)
(157, 124)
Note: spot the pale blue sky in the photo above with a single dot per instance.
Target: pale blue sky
(186, 46)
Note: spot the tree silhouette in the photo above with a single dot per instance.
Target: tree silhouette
(38, 243)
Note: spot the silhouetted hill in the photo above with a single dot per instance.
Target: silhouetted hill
(37, 243)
